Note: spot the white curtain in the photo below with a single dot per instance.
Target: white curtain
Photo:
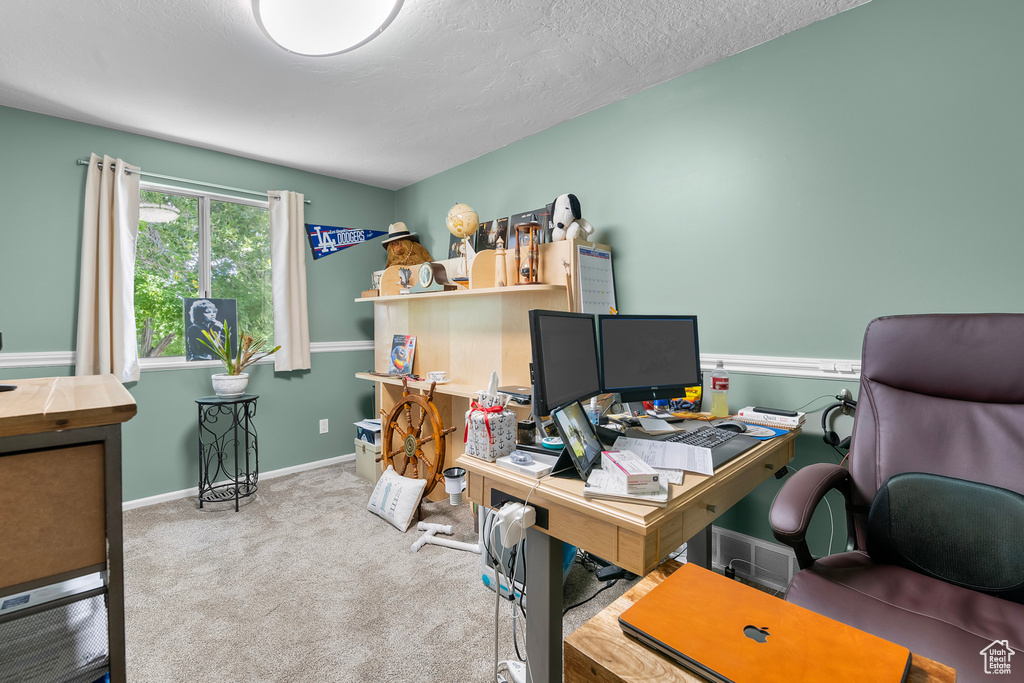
(288, 279)
(106, 291)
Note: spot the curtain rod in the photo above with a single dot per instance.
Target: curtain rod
(85, 162)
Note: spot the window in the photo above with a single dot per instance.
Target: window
(209, 246)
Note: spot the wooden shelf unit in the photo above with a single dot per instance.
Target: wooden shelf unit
(467, 333)
(60, 491)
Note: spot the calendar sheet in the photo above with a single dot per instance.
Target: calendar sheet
(595, 288)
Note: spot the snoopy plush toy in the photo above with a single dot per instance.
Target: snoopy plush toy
(567, 221)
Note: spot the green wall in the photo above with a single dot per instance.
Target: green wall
(41, 191)
(868, 164)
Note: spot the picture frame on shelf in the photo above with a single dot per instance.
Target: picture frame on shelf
(489, 232)
(455, 245)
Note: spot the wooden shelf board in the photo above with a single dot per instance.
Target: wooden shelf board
(511, 289)
(450, 388)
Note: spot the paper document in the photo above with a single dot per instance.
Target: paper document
(653, 425)
(601, 484)
(669, 455)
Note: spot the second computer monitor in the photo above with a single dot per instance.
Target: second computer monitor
(649, 357)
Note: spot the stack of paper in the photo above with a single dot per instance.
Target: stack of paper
(602, 485)
(668, 458)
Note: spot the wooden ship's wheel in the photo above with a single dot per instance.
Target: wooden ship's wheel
(403, 446)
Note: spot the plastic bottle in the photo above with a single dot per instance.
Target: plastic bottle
(593, 412)
(719, 391)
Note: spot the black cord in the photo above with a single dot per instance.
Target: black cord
(516, 642)
(584, 560)
(522, 593)
(510, 563)
(599, 591)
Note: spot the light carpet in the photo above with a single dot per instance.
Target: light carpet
(303, 584)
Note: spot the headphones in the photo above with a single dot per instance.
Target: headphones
(846, 404)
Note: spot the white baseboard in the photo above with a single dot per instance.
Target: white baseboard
(194, 491)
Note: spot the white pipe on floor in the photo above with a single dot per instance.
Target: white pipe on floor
(429, 537)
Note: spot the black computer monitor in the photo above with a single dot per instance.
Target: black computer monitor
(564, 359)
(649, 357)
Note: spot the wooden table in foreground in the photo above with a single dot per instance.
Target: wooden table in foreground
(60, 495)
(598, 651)
(634, 537)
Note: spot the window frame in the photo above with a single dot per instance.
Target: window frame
(205, 264)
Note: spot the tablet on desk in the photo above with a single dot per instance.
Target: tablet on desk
(579, 437)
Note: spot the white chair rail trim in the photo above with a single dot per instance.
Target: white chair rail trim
(785, 366)
(50, 359)
(779, 366)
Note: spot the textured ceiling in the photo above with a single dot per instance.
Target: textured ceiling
(448, 81)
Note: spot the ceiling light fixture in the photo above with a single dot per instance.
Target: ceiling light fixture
(318, 28)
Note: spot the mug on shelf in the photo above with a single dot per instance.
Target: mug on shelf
(437, 376)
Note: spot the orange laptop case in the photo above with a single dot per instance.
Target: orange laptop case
(715, 626)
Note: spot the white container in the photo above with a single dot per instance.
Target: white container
(230, 386)
(367, 466)
(627, 467)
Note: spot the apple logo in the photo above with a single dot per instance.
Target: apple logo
(755, 633)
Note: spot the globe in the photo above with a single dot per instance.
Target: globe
(462, 220)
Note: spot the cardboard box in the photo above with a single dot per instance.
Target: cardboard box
(366, 465)
(627, 466)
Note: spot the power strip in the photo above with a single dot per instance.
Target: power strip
(513, 520)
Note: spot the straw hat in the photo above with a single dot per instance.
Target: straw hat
(398, 231)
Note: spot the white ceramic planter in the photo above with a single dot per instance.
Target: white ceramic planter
(230, 386)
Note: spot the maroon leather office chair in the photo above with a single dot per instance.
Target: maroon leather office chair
(935, 509)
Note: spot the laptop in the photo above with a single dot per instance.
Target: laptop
(729, 632)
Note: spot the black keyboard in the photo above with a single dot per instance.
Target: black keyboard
(708, 437)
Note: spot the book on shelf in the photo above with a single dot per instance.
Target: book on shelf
(602, 486)
(403, 351)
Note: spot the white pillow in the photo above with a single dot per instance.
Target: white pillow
(395, 498)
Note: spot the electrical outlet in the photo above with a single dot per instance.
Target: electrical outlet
(323, 426)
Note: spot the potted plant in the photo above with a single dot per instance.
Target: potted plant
(233, 383)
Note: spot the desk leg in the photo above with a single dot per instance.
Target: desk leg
(543, 607)
(698, 548)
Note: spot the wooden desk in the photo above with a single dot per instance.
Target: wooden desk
(634, 537)
(599, 650)
(60, 492)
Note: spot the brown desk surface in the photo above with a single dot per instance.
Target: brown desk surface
(635, 537)
(52, 403)
(598, 651)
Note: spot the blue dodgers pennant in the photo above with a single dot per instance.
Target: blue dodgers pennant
(325, 240)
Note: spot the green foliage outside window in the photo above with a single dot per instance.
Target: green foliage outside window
(167, 265)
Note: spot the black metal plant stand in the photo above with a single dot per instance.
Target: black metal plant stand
(228, 451)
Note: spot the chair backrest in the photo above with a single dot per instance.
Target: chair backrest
(941, 394)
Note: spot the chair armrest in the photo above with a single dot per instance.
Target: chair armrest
(795, 503)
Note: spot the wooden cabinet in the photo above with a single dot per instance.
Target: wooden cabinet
(467, 333)
(60, 492)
